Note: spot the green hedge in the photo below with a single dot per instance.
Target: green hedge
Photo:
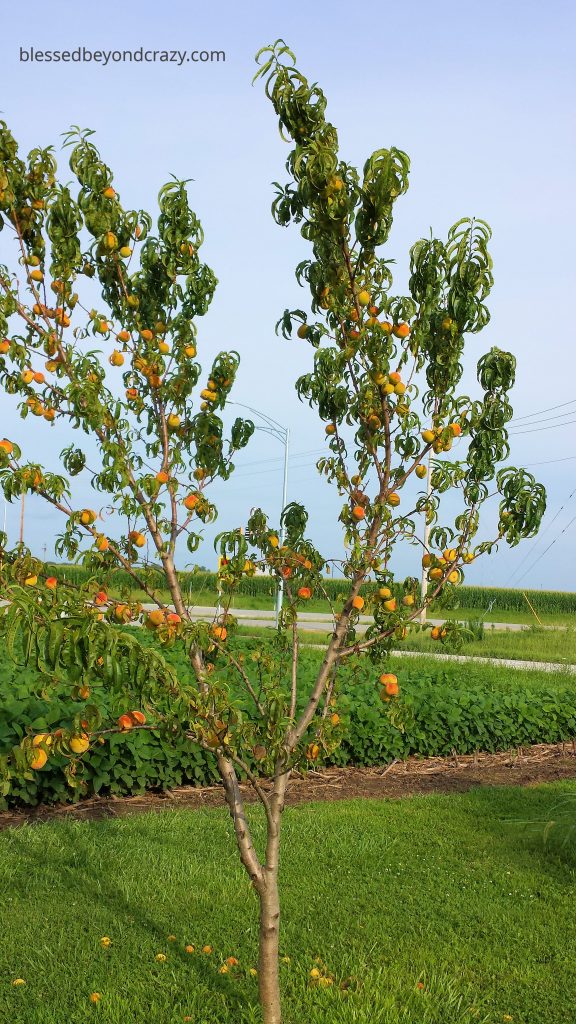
(437, 715)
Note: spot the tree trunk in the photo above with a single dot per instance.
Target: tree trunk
(268, 964)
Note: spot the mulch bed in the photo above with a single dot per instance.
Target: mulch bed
(528, 766)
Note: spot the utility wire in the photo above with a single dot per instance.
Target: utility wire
(548, 419)
(546, 550)
(273, 469)
(549, 462)
(530, 415)
(536, 430)
(540, 536)
(280, 458)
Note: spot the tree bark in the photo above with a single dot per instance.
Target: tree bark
(269, 942)
(269, 946)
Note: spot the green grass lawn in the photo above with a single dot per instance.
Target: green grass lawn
(470, 674)
(526, 617)
(438, 891)
(557, 646)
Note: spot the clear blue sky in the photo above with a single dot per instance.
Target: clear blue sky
(482, 99)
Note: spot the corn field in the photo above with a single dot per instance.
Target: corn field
(477, 598)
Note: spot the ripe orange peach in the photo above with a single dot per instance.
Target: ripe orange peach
(156, 617)
(401, 330)
(390, 684)
(190, 501)
(42, 738)
(39, 760)
(79, 744)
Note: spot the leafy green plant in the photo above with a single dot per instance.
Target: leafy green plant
(438, 713)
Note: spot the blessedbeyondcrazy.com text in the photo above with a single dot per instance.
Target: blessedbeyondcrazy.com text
(84, 55)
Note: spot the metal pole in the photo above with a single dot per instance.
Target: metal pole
(22, 519)
(424, 582)
(280, 592)
(219, 596)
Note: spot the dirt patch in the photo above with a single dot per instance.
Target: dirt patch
(529, 766)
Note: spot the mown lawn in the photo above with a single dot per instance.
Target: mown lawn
(497, 615)
(557, 646)
(431, 910)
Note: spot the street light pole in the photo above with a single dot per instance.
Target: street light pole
(22, 519)
(280, 591)
(282, 434)
(424, 581)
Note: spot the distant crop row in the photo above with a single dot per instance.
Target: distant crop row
(481, 598)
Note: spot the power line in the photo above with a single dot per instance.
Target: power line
(536, 430)
(280, 458)
(548, 419)
(273, 469)
(546, 550)
(541, 535)
(549, 462)
(541, 412)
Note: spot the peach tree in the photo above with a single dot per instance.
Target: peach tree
(98, 321)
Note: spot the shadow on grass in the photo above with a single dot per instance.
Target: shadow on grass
(75, 867)
(529, 823)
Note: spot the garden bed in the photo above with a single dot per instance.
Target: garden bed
(527, 767)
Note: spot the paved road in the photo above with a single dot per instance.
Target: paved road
(543, 666)
(315, 621)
